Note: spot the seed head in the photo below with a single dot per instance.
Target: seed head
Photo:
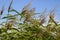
(10, 5)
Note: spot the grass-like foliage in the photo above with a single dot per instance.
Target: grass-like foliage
(31, 28)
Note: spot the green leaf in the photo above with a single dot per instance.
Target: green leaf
(13, 10)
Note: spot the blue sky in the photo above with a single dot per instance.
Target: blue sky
(40, 5)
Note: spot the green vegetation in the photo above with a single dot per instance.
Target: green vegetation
(31, 28)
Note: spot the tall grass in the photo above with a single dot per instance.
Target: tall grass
(30, 29)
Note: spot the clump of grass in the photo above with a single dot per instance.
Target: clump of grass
(30, 29)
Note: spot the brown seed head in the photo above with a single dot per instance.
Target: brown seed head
(1, 12)
(10, 5)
